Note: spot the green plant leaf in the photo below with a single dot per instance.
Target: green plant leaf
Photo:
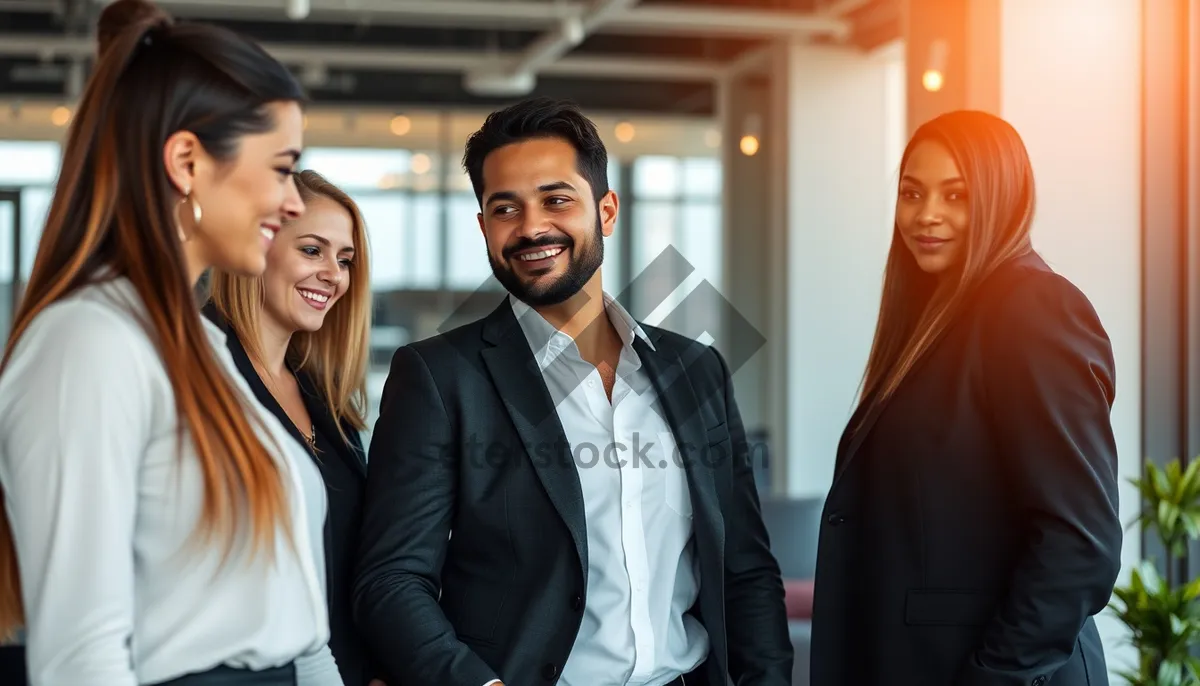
(1170, 673)
(1164, 619)
(1168, 513)
(1191, 522)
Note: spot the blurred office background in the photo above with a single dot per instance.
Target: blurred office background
(757, 139)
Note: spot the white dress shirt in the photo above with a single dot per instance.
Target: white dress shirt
(642, 572)
(103, 507)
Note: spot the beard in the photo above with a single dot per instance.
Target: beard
(580, 269)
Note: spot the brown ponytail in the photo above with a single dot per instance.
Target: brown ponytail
(112, 208)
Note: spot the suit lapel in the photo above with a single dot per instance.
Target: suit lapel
(317, 410)
(327, 426)
(668, 372)
(860, 426)
(510, 363)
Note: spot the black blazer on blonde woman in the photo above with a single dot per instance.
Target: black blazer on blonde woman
(344, 469)
(971, 532)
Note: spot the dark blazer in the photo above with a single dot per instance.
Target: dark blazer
(344, 474)
(468, 442)
(971, 531)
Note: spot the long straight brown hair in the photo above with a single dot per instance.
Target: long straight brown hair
(915, 308)
(335, 356)
(113, 212)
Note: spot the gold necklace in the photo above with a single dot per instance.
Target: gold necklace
(273, 389)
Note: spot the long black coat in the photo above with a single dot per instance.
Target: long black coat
(971, 531)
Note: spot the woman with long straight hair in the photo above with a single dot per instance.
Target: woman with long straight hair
(299, 334)
(971, 531)
(159, 525)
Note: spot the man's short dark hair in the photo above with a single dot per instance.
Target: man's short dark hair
(540, 118)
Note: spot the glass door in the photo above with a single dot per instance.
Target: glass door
(10, 257)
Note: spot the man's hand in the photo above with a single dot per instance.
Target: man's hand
(376, 682)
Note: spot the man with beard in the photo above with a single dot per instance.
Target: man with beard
(556, 493)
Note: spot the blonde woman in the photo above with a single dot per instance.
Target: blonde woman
(299, 334)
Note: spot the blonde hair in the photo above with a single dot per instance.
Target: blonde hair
(335, 357)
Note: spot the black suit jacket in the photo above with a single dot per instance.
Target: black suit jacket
(468, 443)
(344, 474)
(971, 531)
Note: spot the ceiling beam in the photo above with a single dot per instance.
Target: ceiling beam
(531, 14)
(558, 41)
(49, 47)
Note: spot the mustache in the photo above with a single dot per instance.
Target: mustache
(530, 244)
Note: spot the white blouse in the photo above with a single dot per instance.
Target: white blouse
(103, 508)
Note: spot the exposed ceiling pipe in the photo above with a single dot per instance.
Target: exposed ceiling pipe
(348, 57)
(519, 76)
(569, 33)
(640, 20)
(759, 59)
(30, 6)
(298, 10)
(840, 8)
(726, 22)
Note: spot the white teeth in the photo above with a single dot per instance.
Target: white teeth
(267, 233)
(315, 297)
(540, 255)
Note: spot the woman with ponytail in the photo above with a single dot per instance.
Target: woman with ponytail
(971, 531)
(159, 526)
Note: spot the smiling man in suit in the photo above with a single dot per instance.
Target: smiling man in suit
(556, 493)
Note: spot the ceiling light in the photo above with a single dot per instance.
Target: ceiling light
(624, 132)
(420, 163)
(401, 125)
(933, 80)
(751, 135)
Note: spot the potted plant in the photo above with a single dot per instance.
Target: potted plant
(1162, 611)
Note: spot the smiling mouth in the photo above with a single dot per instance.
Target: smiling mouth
(537, 255)
(314, 298)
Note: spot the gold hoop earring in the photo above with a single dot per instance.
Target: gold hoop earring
(197, 213)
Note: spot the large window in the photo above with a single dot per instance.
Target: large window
(26, 179)
(676, 205)
(398, 193)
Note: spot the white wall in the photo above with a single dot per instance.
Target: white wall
(845, 126)
(1071, 85)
